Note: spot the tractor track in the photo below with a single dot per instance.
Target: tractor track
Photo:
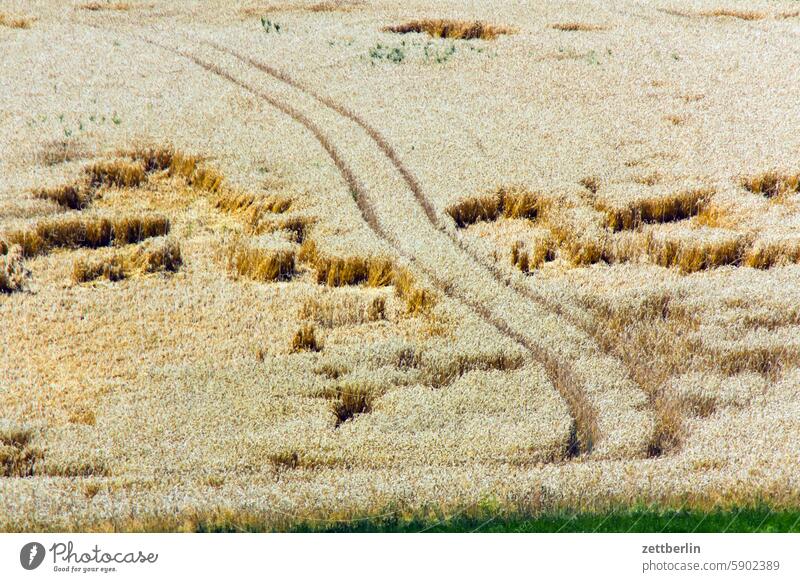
(558, 373)
(585, 433)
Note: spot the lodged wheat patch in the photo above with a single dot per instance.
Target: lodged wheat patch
(195, 174)
(627, 222)
(131, 169)
(465, 422)
(438, 370)
(733, 13)
(509, 202)
(262, 221)
(87, 232)
(568, 227)
(176, 164)
(231, 201)
(591, 183)
(12, 269)
(475, 209)
(70, 196)
(453, 29)
(340, 309)
(766, 253)
(15, 21)
(771, 184)
(577, 26)
(714, 217)
(372, 272)
(110, 268)
(105, 6)
(117, 173)
(649, 179)
(417, 298)
(245, 260)
(352, 400)
(163, 256)
(579, 233)
(529, 255)
(697, 250)
(155, 159)
(652, 334)
(626, 209)
(340, 271)
(18, 456)
(305, 339)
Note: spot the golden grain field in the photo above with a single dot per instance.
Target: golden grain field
(300, 262)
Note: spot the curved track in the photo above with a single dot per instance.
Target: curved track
(607, 408)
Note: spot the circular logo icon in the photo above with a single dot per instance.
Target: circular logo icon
(31, 555)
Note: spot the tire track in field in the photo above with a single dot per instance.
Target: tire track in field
(584, 412)
(558, 371)
(584, 431)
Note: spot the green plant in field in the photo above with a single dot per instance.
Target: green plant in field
(341, 42)
(438, 54)
(430, 52)
(269, 26)
(395, 54)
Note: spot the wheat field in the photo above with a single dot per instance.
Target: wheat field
(313, 262)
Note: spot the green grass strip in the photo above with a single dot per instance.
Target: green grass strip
(744, 520)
